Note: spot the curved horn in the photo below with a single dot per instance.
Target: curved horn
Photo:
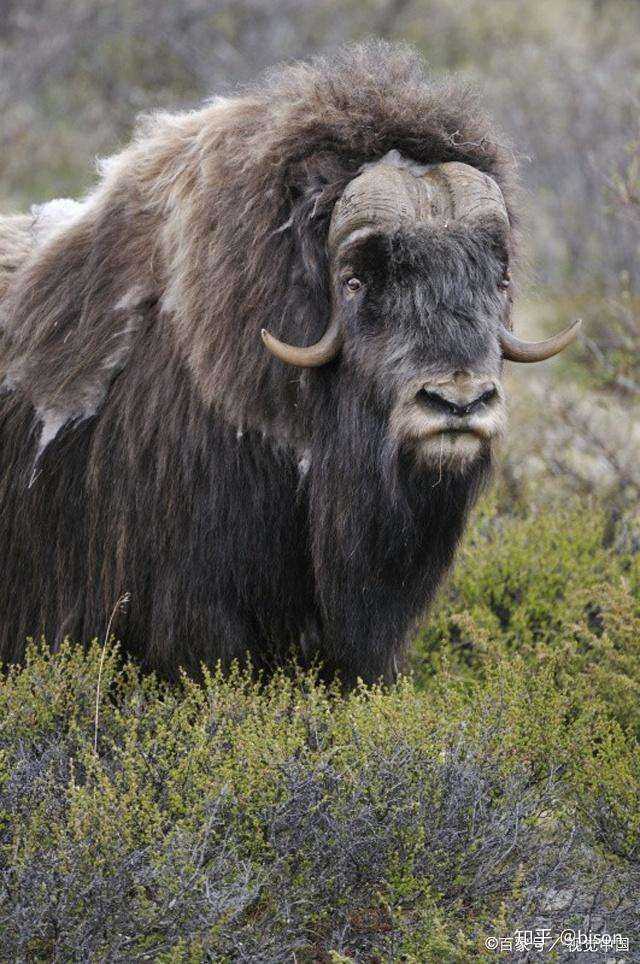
(513, 349)
(322, 352)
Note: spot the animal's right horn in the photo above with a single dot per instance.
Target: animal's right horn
(322, 352)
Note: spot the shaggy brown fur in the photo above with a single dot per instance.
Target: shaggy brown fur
(149, 443)
(16, 244)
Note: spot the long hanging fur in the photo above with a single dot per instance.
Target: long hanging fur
(150, 445)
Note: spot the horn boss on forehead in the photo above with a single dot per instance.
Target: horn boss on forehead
(389, 196)
(392, 197)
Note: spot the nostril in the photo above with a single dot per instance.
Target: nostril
(440, 403)
(482, 400)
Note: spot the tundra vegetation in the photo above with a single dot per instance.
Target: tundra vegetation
(497, 787)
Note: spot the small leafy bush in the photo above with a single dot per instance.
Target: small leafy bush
(559, 586)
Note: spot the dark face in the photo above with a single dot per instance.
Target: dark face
(421, 314)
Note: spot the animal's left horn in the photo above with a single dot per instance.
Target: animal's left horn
(322, 352)
(513, 349)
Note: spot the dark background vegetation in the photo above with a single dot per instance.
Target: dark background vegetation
(500, 786)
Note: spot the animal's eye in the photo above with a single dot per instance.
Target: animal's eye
(353, 284)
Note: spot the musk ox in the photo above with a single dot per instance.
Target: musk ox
(254, 379)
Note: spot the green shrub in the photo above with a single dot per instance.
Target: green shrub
(554, 585)
(246, 820)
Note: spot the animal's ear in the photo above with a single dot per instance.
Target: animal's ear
(312, 184)
(72, 312)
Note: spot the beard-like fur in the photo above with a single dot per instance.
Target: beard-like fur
(384, 528)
